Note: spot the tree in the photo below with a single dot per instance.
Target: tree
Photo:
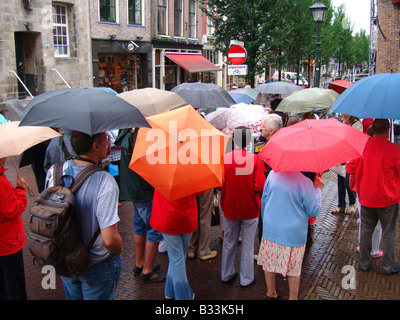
(245, 21)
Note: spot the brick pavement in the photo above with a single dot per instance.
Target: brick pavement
(335, 239)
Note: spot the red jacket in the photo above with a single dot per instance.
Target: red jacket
(377, 174)
(12, 205)
(243, 182)
(176, 217)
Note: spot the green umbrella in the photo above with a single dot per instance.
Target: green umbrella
(307, 100)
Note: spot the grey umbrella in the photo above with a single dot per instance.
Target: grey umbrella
(82, 109)
(204, 95)
(279, 87)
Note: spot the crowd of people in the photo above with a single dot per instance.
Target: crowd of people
(280, 205)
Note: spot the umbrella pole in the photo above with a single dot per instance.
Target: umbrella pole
(16, 170)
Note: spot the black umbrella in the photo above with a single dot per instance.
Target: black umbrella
(204, 95)
(82, 109)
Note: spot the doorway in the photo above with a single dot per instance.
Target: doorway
(27, 61)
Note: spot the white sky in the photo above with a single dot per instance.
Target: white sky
(358, 12)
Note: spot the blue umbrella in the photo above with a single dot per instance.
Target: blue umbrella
(241, 98)
(376, 96)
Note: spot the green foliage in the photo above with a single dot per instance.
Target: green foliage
(279, 33)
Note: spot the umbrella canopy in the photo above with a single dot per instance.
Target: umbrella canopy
(313, 146)
(151, 101)
(306, 100)
(82, 109)
(182, 154)
(252, 93)
(241, 98)
(339, 85)
(14, 139)
(375, 96)
(279, 87)
(227, 120)
(204, 95)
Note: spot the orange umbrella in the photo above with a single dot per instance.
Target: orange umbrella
(339, 85)
(181, 154)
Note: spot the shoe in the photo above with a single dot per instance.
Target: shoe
(231, 279)
(211, 255)
(152, 277)
(338, 210)
(351, 209)
(374, 256)
(250, 284)
(395, 269)
(278, 297)
(138, 270)
(191, 254)
(378, 255)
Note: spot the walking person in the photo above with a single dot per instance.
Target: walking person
(96, 207)
(377, 182)
(289, 200)
(12, 237)
(240, 201)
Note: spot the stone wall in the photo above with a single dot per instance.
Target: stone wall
(32, 20)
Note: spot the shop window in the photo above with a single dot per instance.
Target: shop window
(119, 72)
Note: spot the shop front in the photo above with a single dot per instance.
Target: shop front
(174, 64)
(119, 68)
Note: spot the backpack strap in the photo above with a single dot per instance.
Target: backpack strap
(81, 177)
(58, 173)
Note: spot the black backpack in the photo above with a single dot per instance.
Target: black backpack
(53, 236)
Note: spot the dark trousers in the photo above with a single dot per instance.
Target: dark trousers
(369, 218)
(12, 277)
(343, 186)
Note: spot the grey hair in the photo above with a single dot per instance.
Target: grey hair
(274, 121)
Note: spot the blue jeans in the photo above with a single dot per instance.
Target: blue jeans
(141, 221)
(177, 284)
(98, 282)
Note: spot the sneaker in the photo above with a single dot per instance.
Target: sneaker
(211, 255)
(152, 277)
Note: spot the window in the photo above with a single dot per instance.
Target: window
(108, 10)
(192, 18)
(135, 11)
(210, 27)
(177, 18)
(60, 31)
(162, 17)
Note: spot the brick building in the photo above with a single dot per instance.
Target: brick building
(388, 36)
(42, 41)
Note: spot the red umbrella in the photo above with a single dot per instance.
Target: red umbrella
(339, 85)
(313, 146)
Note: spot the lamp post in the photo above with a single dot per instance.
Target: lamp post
(318, 11)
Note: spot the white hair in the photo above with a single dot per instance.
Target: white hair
(274, 121)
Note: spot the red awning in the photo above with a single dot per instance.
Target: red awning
(193, 62)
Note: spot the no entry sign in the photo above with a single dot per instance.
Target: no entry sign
(237, 55)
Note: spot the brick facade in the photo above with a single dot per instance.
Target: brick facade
(388, 53)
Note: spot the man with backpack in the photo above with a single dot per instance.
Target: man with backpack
(96, 208)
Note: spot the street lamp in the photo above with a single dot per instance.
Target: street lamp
(318, 11)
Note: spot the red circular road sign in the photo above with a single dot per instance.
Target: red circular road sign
(237, 54)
